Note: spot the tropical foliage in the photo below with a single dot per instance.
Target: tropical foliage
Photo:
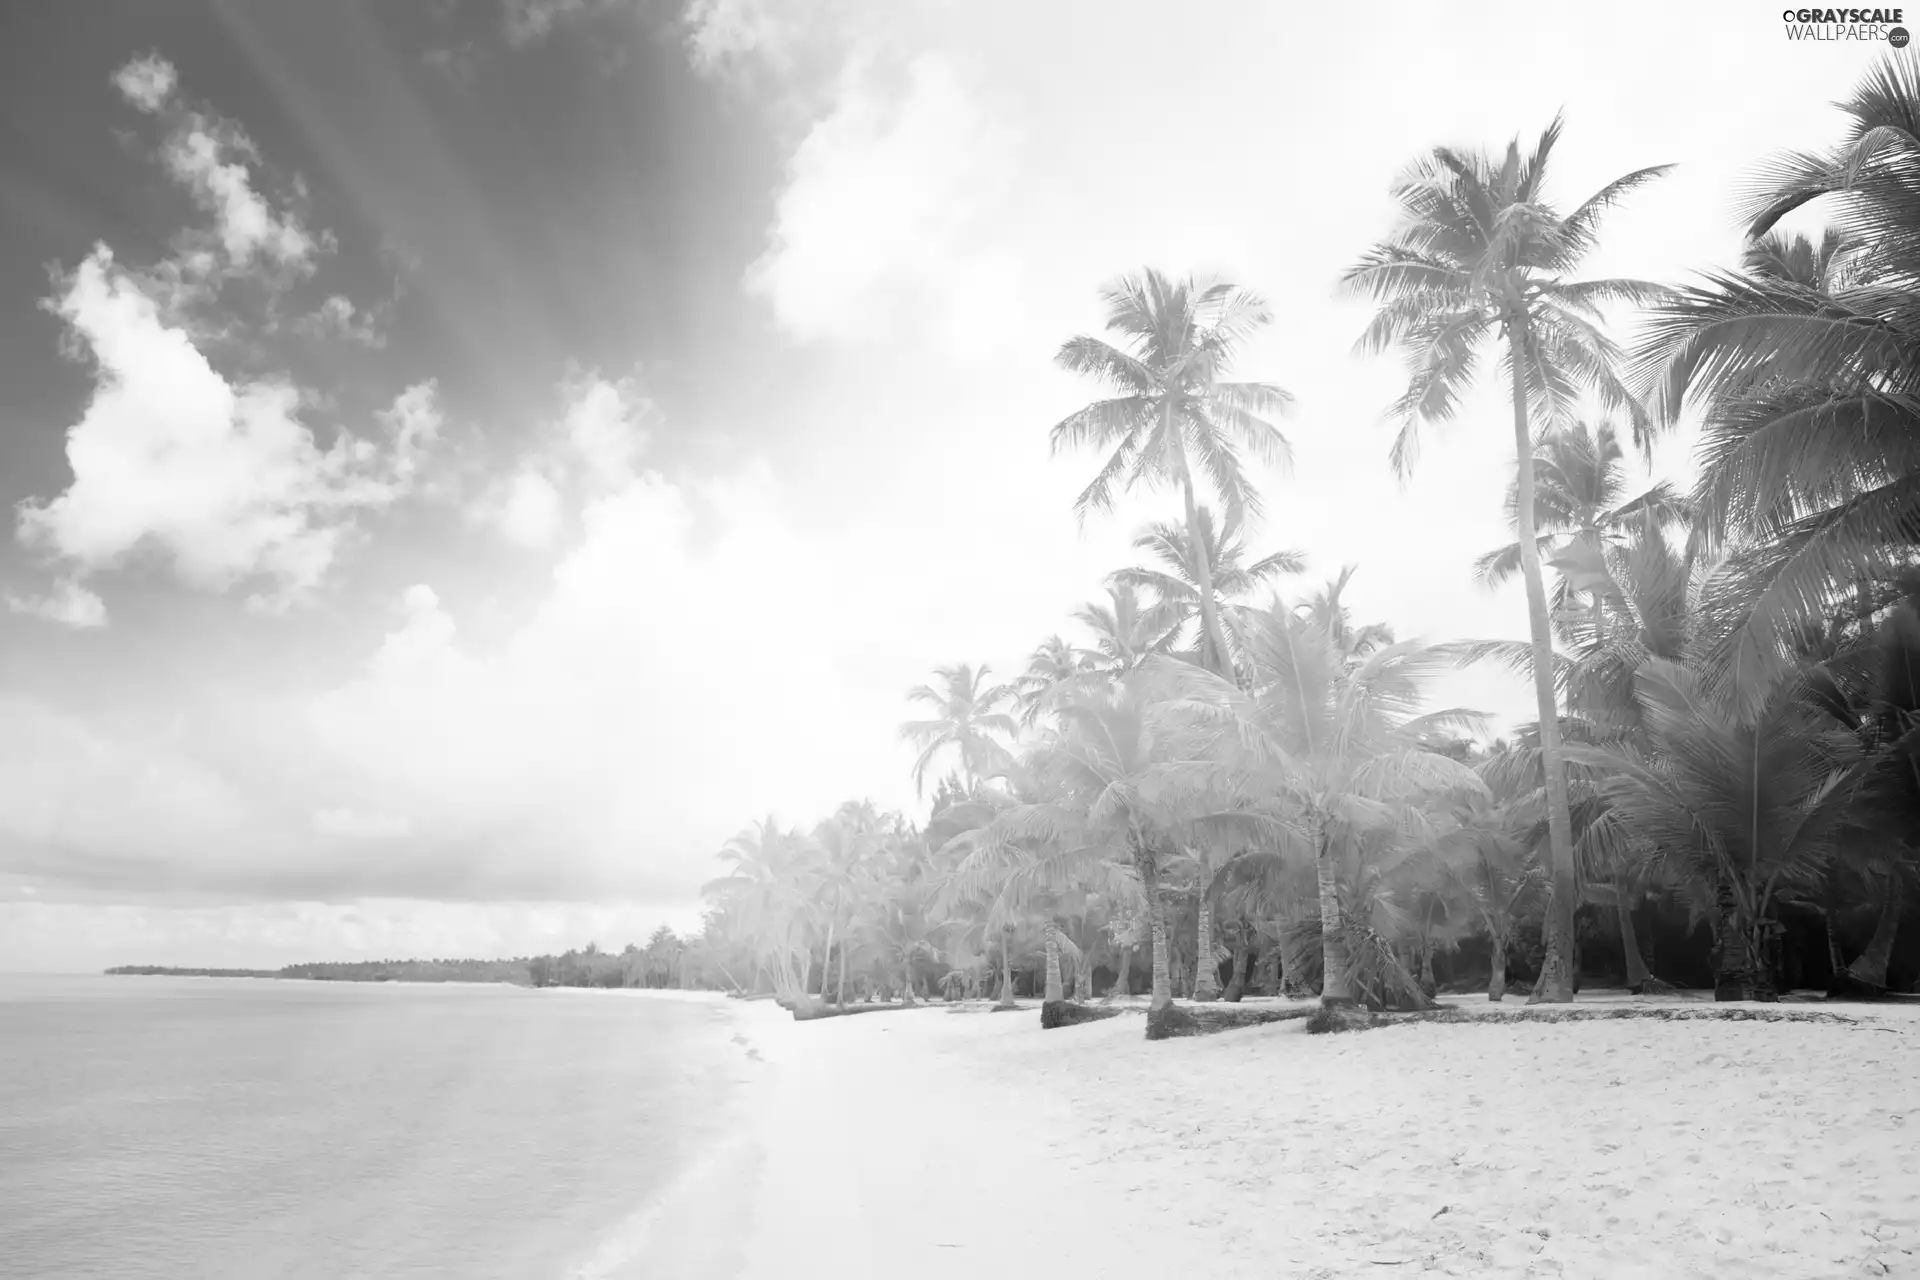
(1237, 785)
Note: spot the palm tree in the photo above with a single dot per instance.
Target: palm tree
(967, 718)
(1480, 251)
(1174, 411)
(763, 892)
(1131, 778)
(1126, 630)
(1328, 614)
(1347, 744)
(1741, 808)
(1176, 582)
(1805, 369)
(1052, 664)
(1581, 509)
(1032, 855)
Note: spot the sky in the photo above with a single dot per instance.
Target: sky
(467, 460)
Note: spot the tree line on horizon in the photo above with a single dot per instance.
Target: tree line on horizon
(1247, 782)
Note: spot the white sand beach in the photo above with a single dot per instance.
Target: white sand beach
(958, 1142)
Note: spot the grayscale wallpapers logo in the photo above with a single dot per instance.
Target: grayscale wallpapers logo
(1847, 24)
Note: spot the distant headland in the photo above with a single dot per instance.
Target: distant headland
(658, 964)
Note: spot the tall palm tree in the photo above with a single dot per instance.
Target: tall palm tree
(967, 718)
(1480, 252)
(1175, 582)
(1174, 411)
(1805, 368)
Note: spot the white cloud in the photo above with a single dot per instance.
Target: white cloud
(531, 511)
(337, 317)
(147, 82)
(723, 34)
(528, 22)
(206, 157)
(210, 157)
(603, 424)
(878, 229)
(355, 825)
(593, 446)
(69, 604)
(223, 479)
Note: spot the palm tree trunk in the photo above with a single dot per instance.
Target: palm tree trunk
(1122, 970)
(840, 992)
(1556, 971)
(1157, 925)
(1334, 962)
(826, 963)
(1870, 967)
(1083, 976)
(1206, 975)
(1497, 983)
(1055, 989)
(1733, 968)
(1637, 974)
(1237, 970)
(1006, 969)
(906, 982)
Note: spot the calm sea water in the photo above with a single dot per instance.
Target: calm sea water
(163, 1127)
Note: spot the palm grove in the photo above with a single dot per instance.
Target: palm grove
(1243, 788)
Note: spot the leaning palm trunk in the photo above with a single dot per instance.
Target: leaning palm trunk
(1556, 970)
(1157, 924)
(1122, 974)
(1870, 968)
(1206, 976)
(1056, 990)
(1334, 961)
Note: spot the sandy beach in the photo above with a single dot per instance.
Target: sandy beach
(951, 1141)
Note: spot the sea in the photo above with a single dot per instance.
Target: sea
(160, 1127)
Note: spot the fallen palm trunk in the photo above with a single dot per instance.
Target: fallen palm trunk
(815, 1011)
(1211, 1019)
(1066, 1013)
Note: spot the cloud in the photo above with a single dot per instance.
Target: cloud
(147, 82)
(722, 35)
(222, 479)
(528, 22)
(337, 317)
(879, 229)
(361, 826)
(593, 446)
(210, 157)
(69, 604)
(531, 511)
